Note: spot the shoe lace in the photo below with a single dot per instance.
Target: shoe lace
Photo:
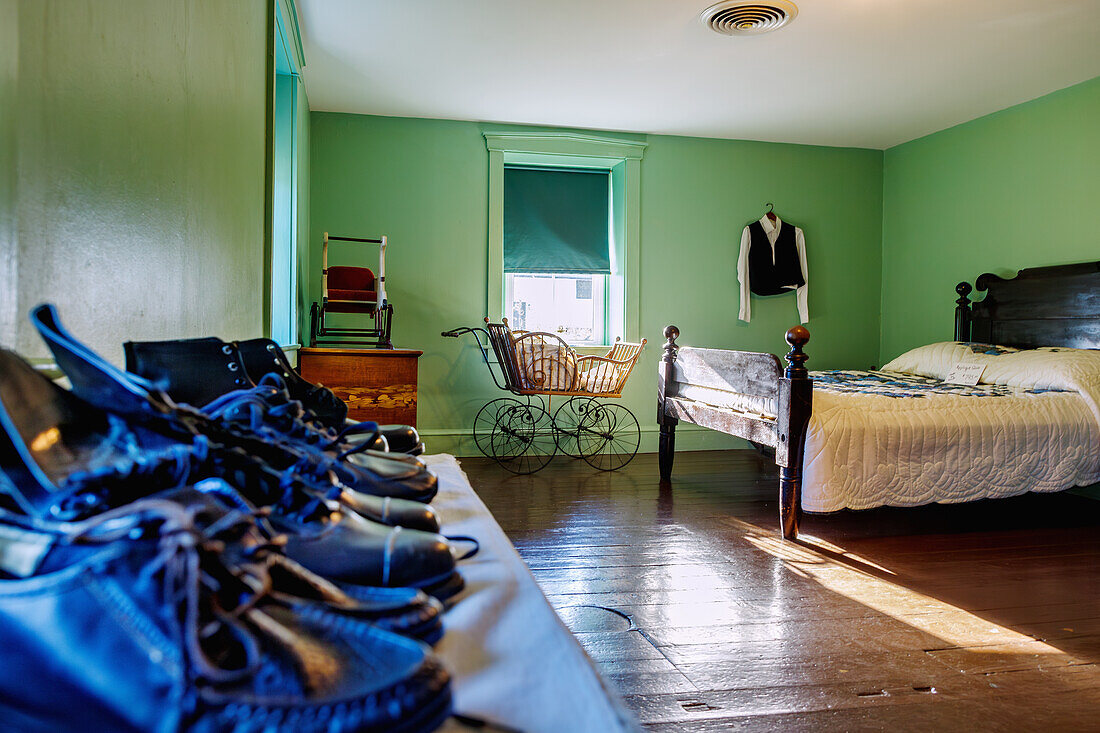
(212, 595)
(125, 480)
(263, 412)
(315, 503)
(268, 406)
(131, 477)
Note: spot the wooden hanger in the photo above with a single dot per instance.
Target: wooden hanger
(769, 213)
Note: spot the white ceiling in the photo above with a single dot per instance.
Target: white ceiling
(867, 73)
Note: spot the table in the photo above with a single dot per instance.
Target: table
(376, 384)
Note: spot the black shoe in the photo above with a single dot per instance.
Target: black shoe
(267, 411)
(402, 439)
(66, 458)
(145, 619)
(390, 511)
(395, 439)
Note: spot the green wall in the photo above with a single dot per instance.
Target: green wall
(9, 68)
(1018, 188)
(424, 183)
(139, 138)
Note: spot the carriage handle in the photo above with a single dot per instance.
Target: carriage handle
(456, 332)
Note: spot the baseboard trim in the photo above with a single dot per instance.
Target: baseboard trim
(688, 437)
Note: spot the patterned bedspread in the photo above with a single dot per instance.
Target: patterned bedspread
(896, 384)
(901, 436)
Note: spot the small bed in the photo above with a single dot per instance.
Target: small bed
(902, 436)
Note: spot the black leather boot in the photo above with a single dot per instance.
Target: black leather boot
(192, 371)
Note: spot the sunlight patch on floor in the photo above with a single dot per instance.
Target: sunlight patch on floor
(857, 578)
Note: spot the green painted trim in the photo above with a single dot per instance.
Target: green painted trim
(302, 198)
(295, 209)
(565, 143)
(269, 166)
(621, 157)
(688, 438)
(495, 299)
(286, 51)
(632, 256)
(288, 16)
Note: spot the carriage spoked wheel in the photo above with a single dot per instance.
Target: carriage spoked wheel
(567, 418)
(523, 439)
(608, 436)
(486, 421)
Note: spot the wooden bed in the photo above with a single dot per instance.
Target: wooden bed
(1042, 306)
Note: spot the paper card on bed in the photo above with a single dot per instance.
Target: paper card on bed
(965, 374)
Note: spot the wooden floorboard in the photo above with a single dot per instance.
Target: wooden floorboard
(980, 616)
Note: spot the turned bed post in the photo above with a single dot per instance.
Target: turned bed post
(796, 390)
(962, 312)
(666, 386)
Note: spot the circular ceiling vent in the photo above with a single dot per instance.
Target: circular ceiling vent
(735, 18)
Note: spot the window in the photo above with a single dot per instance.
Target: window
(557, 254)
(572, 306)
(588, 302)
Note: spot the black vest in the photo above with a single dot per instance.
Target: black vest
(766, 277)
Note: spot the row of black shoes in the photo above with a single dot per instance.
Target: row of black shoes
(205, 543)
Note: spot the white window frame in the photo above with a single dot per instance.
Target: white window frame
(622, 159)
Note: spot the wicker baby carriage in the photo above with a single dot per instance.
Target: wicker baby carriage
(521, 434)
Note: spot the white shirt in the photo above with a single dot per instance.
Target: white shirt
(772, 230)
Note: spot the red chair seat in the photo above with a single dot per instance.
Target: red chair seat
(351, 301)
(360, 296)
(354, 286)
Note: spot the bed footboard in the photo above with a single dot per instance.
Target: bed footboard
(740, 393)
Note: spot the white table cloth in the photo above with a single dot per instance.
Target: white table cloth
(513, 662)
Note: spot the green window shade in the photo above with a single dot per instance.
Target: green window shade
(555, 220)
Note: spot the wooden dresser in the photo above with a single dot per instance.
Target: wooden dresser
(376, 384)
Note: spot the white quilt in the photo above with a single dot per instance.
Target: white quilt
(900, 437)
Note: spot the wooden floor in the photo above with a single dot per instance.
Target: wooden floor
(981, 616)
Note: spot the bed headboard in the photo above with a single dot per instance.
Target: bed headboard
(1041, 306)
